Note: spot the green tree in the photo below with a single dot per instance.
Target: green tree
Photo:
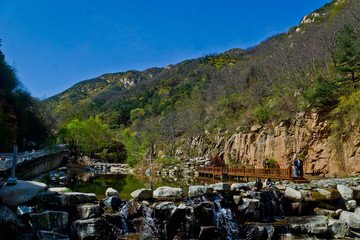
(348, 53)
(324, 94)
(136, 145)
(90, 136)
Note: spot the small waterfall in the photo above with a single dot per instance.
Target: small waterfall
(124, 212)
(144, 223)
(224, 220)
(271, 207)
(149, 226)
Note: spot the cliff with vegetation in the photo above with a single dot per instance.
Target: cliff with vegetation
(295, 93)
(21, 121)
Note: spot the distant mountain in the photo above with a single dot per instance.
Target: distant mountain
(269, 82)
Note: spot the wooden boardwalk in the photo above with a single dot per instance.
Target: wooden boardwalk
(274, 173)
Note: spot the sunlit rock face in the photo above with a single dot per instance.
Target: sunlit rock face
(308, 134)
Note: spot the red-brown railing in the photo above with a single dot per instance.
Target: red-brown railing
(280, 173)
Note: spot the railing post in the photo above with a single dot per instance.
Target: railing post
(290, 171)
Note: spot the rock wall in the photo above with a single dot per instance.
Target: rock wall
(32, 168)
(308, 134)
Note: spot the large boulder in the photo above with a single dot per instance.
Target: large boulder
(10, 224)
(204, 213)
(47, 235)
(200, 190)
(293, 194)
(110, 192)
(357, 210)
(350, 205)
(49, 220)
(308, 225)
(345, 192)
(338, 228)
(22, 192)
(131, 210)
(168, 192)
(329, 194)
(112, 203)
(163, 209)
(251, 204)
(88, 210)
(312, 196)
(221, 187)
(142, 194)
(93, 228)
(236, 187)
(352, 219)
(356, 193)
(326, 212)
(210, 232)
(75, 198)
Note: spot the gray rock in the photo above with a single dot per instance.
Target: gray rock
(168, 192)
(236, 187)
(200, 190)
(297, 207)
(10, 224)
(20, 193)
(237, 199)
(23, 210)
(356, 193)
(351, 205)
(75, 198)
(47, 235)
(112, 203)
(88, 210)
(346, 192)
(352, 219)
(110, 192)
(58, 189)
(293, 194)
(251, 204)
(49, 220)
(357, 210)
(330, 194)
(142, 194)
(221, 187)
(324, 212)
(210, 232)
(250, 185)
(313, 225)
(312, 196)
(338, 228)
(94, 228)
(163, 209)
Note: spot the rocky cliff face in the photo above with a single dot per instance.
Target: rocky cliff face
(308, 134)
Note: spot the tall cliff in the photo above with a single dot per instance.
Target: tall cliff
(308, 134)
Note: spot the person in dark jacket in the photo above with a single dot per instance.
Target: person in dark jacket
(258, 185)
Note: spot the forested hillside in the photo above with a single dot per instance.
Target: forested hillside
(314, 65)
(21, 121)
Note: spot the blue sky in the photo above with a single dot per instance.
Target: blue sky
(55, 44)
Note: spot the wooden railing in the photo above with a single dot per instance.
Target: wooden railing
(279, 173)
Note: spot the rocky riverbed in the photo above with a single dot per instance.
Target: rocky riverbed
(320, 209)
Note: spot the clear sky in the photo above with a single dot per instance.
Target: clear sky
(53, 44)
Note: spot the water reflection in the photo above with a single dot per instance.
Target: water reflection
(125, 184)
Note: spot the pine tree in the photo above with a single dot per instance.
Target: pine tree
(348, 53)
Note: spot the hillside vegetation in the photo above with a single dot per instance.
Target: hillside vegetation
(161, 110)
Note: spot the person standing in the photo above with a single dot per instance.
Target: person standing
(296, 167)
(300, 167)
(264, 162)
